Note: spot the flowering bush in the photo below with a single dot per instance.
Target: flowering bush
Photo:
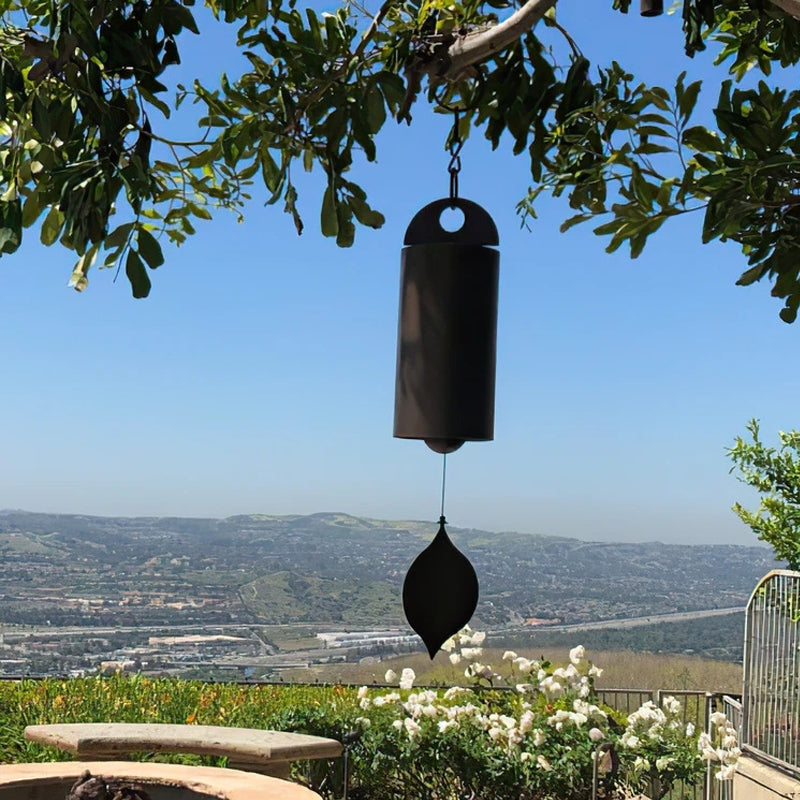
(540, 740)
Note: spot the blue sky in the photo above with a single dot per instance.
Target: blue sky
(259, 375)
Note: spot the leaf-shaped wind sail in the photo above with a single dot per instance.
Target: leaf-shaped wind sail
(440, 591)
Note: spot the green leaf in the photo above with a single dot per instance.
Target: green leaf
(176, 16)
(31, 209)
(290, 207)
(269, 170)
(572, 221)
(137, 275)
(375, 109)
(51, 227)
(752, 275)
(788, 315)
(687, 98)
(328, 217)
(118, 236)
(702, 140)
(10, 225)
(366, 215)
(150, 249)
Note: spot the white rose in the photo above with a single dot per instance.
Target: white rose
(577, 654)
(543, 763)
(407, 678)
(390, 676)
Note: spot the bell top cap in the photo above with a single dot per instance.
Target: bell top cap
(478, 227)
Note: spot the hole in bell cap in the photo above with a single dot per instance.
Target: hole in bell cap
(452, 219)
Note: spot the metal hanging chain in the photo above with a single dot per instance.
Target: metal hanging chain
(454, 148)
(444, 480)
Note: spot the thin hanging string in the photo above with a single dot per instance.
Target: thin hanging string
(454, 148)
(444, 481)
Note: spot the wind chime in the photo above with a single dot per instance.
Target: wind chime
(651, 8)
(444, 391)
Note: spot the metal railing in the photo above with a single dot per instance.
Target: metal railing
(698, 706)
(771, 699)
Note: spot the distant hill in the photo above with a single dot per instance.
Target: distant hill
(339, 570)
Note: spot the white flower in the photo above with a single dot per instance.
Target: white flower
(412, 728)
(577, 654)
(551, 687)
(690, 729)
(364, 703)
(398, 724)
(446, 724)
(363, 722)
(478, 637)
(471, 652)
(454, 691)
(390, 676)
(455, 658)
(543, 763)
(704, 742)
(538, 737)
(509, 655)
(595, 672)
(671, 705)
(629, 740)
(596, 735)
(663, 762)
(526, 722)
(449, 645)
(726, 772)
(362, 692)
(407, 678)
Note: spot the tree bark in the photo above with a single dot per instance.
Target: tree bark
(471, 50)
(791, 7)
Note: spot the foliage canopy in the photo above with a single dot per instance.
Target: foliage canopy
(84, 157)
(775, 474)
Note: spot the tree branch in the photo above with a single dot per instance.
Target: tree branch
(470, 50)
(473, 49)
(791, 7)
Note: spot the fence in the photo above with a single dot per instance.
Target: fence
(771, 700)
(697, 709)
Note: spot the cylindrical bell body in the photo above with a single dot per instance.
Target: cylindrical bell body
(447, 336)
(651, 8)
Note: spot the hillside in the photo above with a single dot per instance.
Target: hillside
(338, 570)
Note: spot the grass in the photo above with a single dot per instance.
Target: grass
(621, 670)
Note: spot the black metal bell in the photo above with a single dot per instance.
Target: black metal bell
(651, 8)
(446, 348)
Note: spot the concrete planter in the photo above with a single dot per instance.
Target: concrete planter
(52, 781)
